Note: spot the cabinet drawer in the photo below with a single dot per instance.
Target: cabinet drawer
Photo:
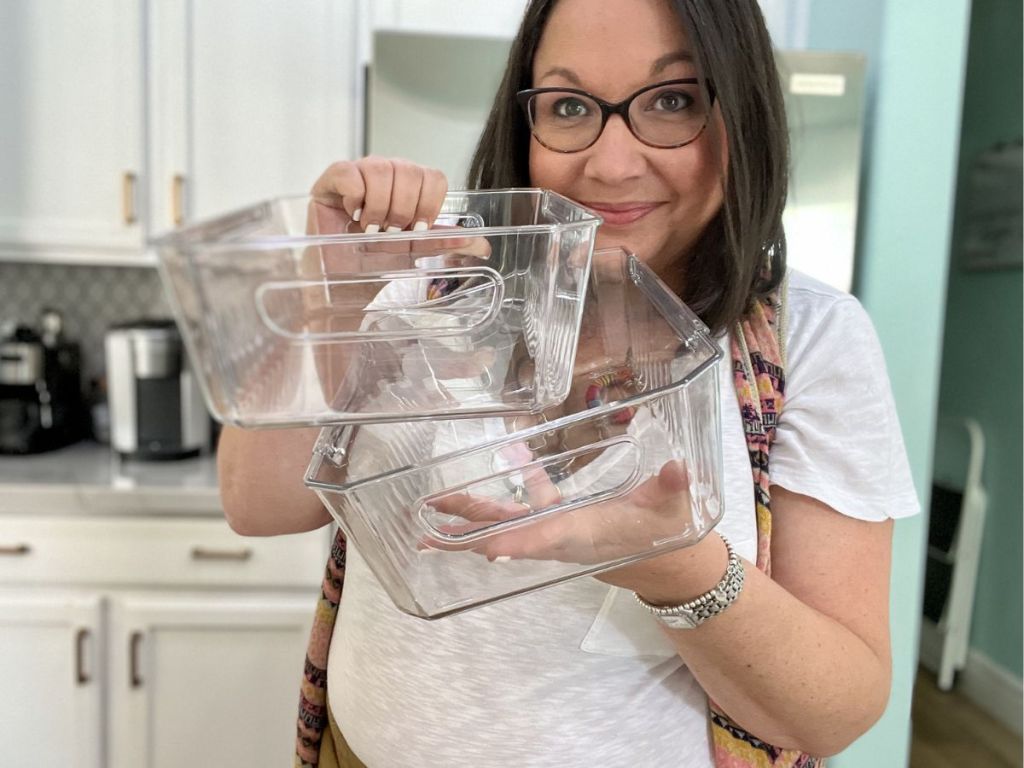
(154, 551)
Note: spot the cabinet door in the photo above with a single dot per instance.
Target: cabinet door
(71, 131)
(252, 98)
(206, 680)
(51, 677)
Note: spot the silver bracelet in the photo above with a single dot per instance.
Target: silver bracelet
(695, 612)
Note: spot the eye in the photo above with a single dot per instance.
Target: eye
(570, 106)
(671, 101)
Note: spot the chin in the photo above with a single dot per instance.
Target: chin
(615, 240)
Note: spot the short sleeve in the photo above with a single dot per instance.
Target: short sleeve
(839, 438)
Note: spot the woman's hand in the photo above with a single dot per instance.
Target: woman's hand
(383, 195)
(391, 290)
(658, 509)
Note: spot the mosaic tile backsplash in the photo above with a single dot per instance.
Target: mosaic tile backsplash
(90, 298)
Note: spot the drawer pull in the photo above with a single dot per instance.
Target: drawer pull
(133, 658)
(238, 555)
(128, 182)
(178, 199)
(80, 674)
(15, 549)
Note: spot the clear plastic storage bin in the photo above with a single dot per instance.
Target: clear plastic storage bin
(452, 514)
(293, 318)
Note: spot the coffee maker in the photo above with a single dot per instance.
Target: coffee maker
(156, 407)
(41, 406)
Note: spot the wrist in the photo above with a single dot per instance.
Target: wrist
(682, 575)
(692, 613)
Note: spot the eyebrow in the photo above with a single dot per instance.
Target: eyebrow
(656, 68)
(568, 74)
(671, 58)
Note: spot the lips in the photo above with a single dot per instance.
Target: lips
(620, 214)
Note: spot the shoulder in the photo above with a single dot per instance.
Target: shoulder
(819, 318)
(839, 438)
(812, 301)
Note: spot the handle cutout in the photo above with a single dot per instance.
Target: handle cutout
(491, 514)
(288, 308)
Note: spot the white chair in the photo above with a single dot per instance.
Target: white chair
(954, 543)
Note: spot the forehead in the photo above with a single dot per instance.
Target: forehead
(611, 46)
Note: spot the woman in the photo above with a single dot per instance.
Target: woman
(688, 171)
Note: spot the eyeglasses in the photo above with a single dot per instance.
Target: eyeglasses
(664, 115)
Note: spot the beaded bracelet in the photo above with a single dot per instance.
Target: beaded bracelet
(595, 394)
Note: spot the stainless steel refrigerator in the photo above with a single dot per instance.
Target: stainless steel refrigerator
(427, 97)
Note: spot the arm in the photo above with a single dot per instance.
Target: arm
(261, 472)
(801, 660)
(261, 488)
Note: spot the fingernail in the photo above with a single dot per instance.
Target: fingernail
(372, 229)
(393, 229)
(420, 226)
(356, 214)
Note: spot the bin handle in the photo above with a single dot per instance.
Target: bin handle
(492, 281)
(563, 505)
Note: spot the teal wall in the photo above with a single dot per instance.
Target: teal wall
(916, 53)
(983, 380)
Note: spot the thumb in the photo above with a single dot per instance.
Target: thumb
(670, 482)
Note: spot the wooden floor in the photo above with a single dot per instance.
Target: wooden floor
(950, 731)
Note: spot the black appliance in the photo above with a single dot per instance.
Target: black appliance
(41, 405)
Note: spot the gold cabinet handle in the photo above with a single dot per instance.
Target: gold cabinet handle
(204, 553)
(15, 549)
(128, 182)
(178, 199)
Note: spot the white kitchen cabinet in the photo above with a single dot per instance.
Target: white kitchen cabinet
(124, 118)
(71, 130)
(205, 680)
(250, 99)
(52, 680)
(151, 640)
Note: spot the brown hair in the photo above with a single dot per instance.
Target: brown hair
(742, 253)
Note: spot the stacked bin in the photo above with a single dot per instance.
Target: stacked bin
(503, 407)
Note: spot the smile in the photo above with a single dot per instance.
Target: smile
(621, 214)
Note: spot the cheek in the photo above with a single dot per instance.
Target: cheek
(538, 169)
(550, 170)
(701, 175)
(716, 155)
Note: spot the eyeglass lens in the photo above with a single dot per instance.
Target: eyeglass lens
(665, 116)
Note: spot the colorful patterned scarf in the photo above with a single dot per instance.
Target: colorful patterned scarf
(758, 363)
(758, 359)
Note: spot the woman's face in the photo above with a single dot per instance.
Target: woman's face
(655, 202)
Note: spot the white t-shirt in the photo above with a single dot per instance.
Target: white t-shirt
(578, 673)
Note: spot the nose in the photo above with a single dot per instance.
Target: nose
(616, 156)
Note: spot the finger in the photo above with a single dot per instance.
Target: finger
(544, 540)
(478, 508)
(673, 477)
(327, 218)
(475, 247)
(668, 487)
(340, 186)
(378, 178)
(431, 200)
(540, 489)
(405, 194)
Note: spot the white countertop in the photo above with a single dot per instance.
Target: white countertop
(88, 478)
